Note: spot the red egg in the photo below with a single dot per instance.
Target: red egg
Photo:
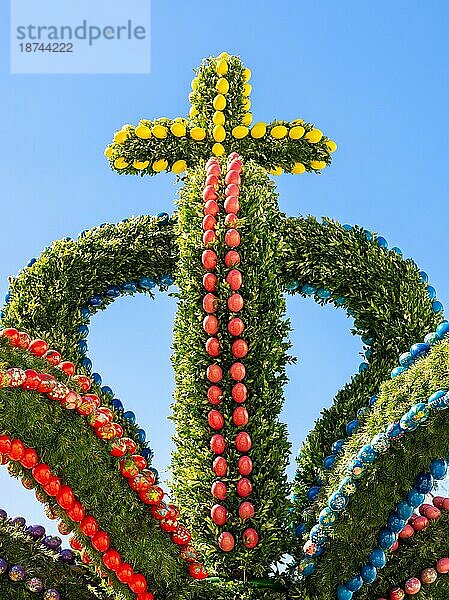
(220, 466)
(17, 450)
(213, 346)
(420, 523)
(209, 223)
(438, 501)
(232, 238)
(32, 380)
(235, 302)
(68, 367)
(209, 193)
(53, 357)
(210, 324)
(396, 593)
(213, 169)
(243, 442)
(42, 473)
(24, 340)
(443, 565)
(412, 586)
(124, 573)
(209, 259)
(237, 371)
(5, 444)
(246, 510)
(432, 513)
(210, 303)
(76, 513)
(53, 487)
(226, 541)
(38, 347)
(245, 465)
(232, 258)
(217, 444)
(111, 560)
(29, 459)
(429, 575)
(233, 176)
(395, 546)
(89, 526)
(138, 584)
(232, 205)
(211, 208)
(219, 514)
(214, 373)
(239, 392)
(240, 416)
(215, 394)
(239, 348)
(244, 487)
(12, 334)
(446, 504)
(209, 282)
(407, 532)
(232, 190)
(231, 220)
(212, 180)
(236, 326)
(215, 420)
(423, 508)
(65, 497)
(209, 237)
(234, 279)
(219, 490)
(250, 538)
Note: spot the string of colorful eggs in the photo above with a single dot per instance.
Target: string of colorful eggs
(132, 466)
(239, 346)
(357, 468)
(18, 574)
(52, 485)
(397, 523)
(413, 585)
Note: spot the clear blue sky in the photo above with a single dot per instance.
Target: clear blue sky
(373, 76)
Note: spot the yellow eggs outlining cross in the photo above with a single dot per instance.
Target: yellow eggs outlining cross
(219, 122)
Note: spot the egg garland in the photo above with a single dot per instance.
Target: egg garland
(413, 585)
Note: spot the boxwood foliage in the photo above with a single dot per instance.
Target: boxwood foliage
(389, 479)
(73, 582)
(389, 303)
(265, 331)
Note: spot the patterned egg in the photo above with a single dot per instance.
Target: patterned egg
(437, 400)
(424, 483)
(386, 539)
(306, 567)
(337, 501)
(355, 468)
(380, 442)
(34, 585)
(354, 584)
(327, 517)
(394, 431)
(429, 575)
(348, 487)
(438, 468)
(318, 535)
(52, 595)
(16, 573)
(377, 558)
(412, 586)
(367, 454)
(395, 523)
(3, 566)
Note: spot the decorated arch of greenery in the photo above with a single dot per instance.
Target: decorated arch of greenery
(232, 525)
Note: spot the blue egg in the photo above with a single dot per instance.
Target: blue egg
(368, 341)
(373, 400)
(167, 280)
(97, 378)
(83, 233)
(350, 312)
(8, 297)
(424, 483)
(394, 431)
(141, 435)
(407, 424)
(380, 442)
(436, 401)
(437, 306)
(31, 262)
(147, 283)
(83, 330)
(424, 277)
(306, 567)
(107, 390)
(355, 583)
(300, 530)
(155, 473)
(117, 404)
(406, 359)
(348, 487)
(86, 363)
(431, 291)
(343, 593)
(397, 250)
(82, 346)
(129, 286)
(319, 550)
(362, 412)
(397, 371)
(355, 468)
(442, 329)
(438, 468)
(387, 539)
(337, 446)
(340, 301)
(347, 227)
(337, 502)
(368, 573)
(329, 462)
(317, 535)
(95, 300)
(404, 510)
(163, 218)
(432, 338)
(368, 353)
(308, 289)
(2, 314)
(395, 523)
(327, 517)
(377, 558)
(323, 293)
(363, 367)
(313, 492)
(352, 426)
(367, 454)
(113, 291)
(415, 498)
(368, 235)
(292, 285)
(147, 453)
(85, 313)
(129, 416)
(382, 242)
(419, 412)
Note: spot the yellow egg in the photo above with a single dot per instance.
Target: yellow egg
(180, 120)
(247, 104)
(194, 83)
(247, 89)
(141, 164)
(317, 164)
(314, 136)
(218, 118)
(120, 137)
(222, 67)
(143, 132)
(240, 132)
(278, 132)
(246, 74)
(258, 130)
(218, 149)
(108, 152)
(192, 97)
(247, 119)
(276, 171)
(296, 132)
(159, 131)
(179, 166)
(219, 133)
(298, 168)
(297, 121)
(331, 145)
(224, 55)
(120, 163)
(160, 165)
(222, 86)
(219, 102)
(197, 133)
(193, 112)
(178, 129)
